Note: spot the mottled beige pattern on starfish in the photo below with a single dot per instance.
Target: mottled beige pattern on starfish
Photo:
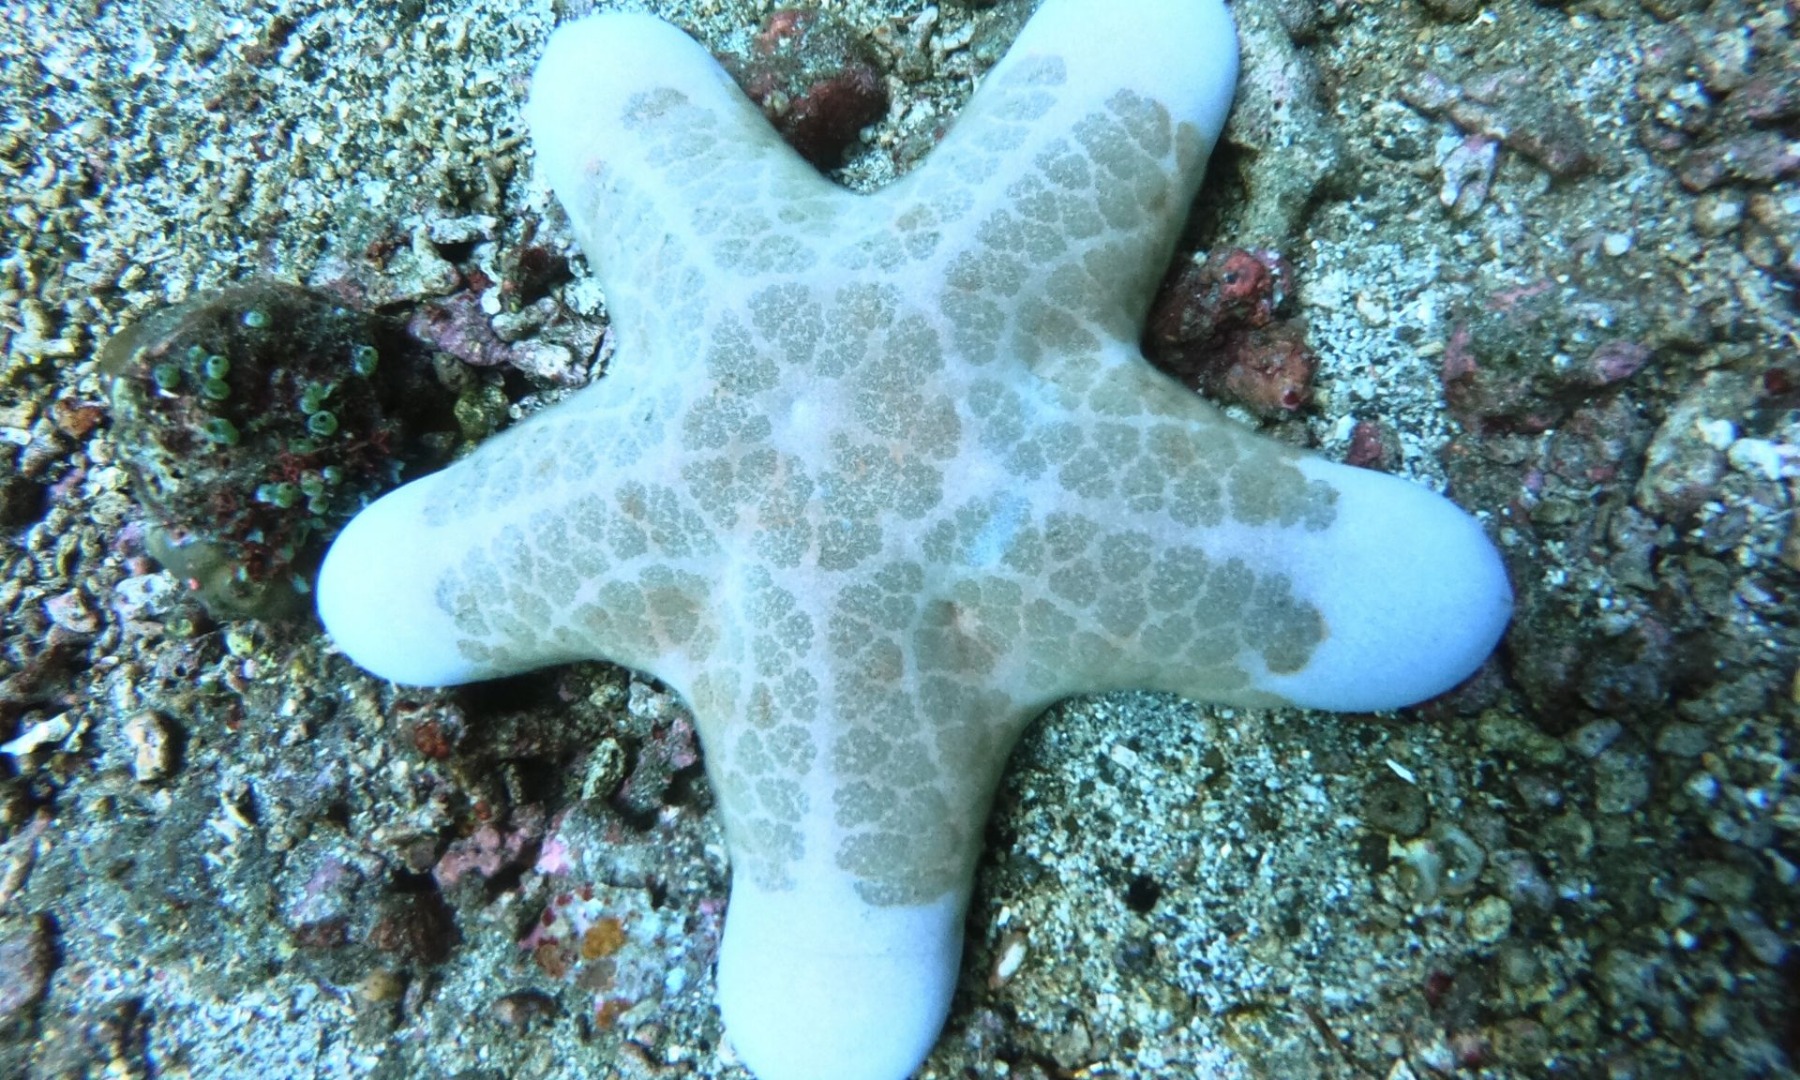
(830, 500)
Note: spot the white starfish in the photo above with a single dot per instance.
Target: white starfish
(876, 479)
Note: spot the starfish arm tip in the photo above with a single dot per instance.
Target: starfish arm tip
(376, 596)
(582, 87)
(1182, 53)
(815, 984)
(641, 133)
(1412, 593)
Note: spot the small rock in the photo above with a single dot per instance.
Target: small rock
(1769, 947)
(1621, 781)
(70, 611)
(1489, 920)
(1772, 229)
(522, 1009)
(74, 418)
(415, 927)
(1717, 213)
(381, 986)
(144, 596)
(1626, 978)
(154, 744)
(1682, 468)
(319, 911)
(462, 230)
(21, 498)
(1467, 172)
(1373, 445)
(1523, 1043)
(27, 959)
(510, 326)
(1453, 10)
(1754, 157)
(1509, 735)
(1684, 740)
(1394, 806)
(1589, 739)
(1616, 360)
(1724, 58)
(1511, 109)
(1712, 1017)
(1772, 461)
(1524, 881)
(1726, 884)
(548, 361)
(44, 733)
(607, 767)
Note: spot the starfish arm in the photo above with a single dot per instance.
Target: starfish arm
(555, 541)
(671, 178)
(1411, 595)
(1186, 553)
(1069, 175)
(814, 983)
(854, 772)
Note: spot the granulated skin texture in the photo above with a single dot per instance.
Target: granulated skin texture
(876, 479)
(855, 508)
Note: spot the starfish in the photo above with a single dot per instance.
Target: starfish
(876, 479)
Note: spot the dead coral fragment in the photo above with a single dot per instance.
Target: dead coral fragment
(815, 80)
(1214, 326)
(1512, 109)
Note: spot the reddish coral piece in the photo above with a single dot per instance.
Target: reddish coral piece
(815, 81)
(1268, 370)
(1214, 326)
(1616, 360)
(1437, 987)
(457, 325)
(551, 959)
(1372, 446)
(491, 849)
(1756, 157)
(1234, 288)
(609, 1011)
(76, 419)
(1470, 1049)
(430, 738)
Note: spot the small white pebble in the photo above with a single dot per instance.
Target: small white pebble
(152, 742)
(1011, 957)
(1703, 786)
(39, 735)
(1489, 919)
(1774, 461)
(1372, 311)
(1719, 434)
